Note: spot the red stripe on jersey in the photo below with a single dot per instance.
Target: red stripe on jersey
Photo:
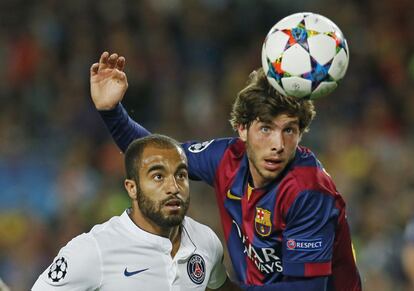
(318, 269)
(254, 276)
(299, 180)
(225, 174)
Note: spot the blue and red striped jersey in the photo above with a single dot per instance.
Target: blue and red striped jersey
(294, 227)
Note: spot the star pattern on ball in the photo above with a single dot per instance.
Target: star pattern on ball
(299, 35)
(275, 69)
(58, 270)
(318, 73)
(339, 40)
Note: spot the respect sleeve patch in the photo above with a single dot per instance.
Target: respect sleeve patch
(304, 244)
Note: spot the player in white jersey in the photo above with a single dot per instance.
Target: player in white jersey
(152, 245)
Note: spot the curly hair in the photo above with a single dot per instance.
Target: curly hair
(259, 100)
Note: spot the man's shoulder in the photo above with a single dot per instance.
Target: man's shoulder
(79, 245)
(111, 233)
(306, 158)
(195, 227)
(236, 148)
(213, 146)
(233, 155)
(107, 226)
(88, 243)
(307, 174)
(198, 232)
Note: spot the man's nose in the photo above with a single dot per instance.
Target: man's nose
(172, 186)
(278, 142)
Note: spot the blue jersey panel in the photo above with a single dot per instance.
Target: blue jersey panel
(310, 231)
(204, 157)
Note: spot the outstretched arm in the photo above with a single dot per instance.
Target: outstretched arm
(108, 86)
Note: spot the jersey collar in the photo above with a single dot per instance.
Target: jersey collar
(187, 246)
(137, 233)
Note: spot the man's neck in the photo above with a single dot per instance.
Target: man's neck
(172, 233)
(175, 238)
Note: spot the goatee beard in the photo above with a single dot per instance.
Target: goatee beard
(153, 211)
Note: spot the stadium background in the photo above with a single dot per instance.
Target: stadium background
(60, 172)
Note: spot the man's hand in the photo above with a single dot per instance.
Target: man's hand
(108, 81)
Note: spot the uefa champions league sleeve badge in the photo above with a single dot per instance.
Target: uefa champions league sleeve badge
(199, 147)
(58, 270)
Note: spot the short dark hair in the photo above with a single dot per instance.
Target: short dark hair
(259, 100)
(134, 151)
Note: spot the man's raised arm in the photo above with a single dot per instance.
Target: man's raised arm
(108, 86)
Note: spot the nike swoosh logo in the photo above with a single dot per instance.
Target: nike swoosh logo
(232, 197)
(128, 274)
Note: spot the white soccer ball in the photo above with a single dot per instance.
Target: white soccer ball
(305, 55)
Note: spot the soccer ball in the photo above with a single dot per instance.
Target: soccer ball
(305, 55)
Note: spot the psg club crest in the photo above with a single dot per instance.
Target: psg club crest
(196, 269)
(58, 270)
(262, 221)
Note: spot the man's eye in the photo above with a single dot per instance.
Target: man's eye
(182, 175)
(265, 129)
(290, 130)
(158, 177)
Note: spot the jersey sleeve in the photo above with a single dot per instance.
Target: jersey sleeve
(204, 158)
(76, 267)
(218, 274)
(123, 129)
(309, 235)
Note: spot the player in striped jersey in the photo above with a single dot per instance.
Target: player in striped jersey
(283, 219)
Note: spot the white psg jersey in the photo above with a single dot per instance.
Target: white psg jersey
(118, 255)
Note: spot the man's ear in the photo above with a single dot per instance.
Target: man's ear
(242, 130)
(131, 188)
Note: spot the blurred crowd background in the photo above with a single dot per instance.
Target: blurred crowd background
(61, 173)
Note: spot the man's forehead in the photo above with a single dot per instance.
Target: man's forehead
(281, 118)
(154, 154)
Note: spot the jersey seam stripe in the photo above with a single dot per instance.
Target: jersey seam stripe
(189, 237)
